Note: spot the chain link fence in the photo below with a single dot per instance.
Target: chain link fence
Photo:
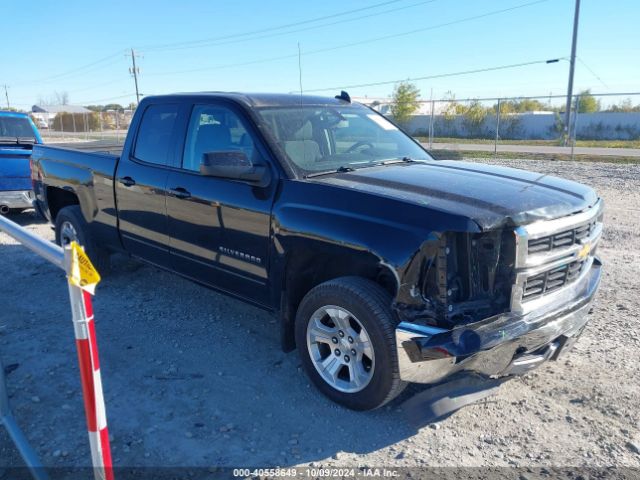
(598, 120)
(80, 124)
(449, 125)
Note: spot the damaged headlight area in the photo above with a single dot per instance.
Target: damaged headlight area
(459, 278)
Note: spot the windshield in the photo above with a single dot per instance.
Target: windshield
(317, 139)
(14, 127)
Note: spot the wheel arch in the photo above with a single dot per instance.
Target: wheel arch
(59, 198)
(306, 268)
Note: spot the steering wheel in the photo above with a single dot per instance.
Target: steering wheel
(357, 145)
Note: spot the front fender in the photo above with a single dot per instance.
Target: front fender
(319, 217)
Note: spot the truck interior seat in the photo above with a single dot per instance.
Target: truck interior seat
(212, 138)
(303, 152)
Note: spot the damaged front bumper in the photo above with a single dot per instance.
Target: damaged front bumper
(506, 344)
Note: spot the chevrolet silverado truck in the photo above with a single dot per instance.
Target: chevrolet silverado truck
(383, 265)
(18, 134)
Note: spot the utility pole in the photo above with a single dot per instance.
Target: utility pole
(6, 94)
(135, 71)
(572, 65)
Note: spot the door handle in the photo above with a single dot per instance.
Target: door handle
(180, 193)
(127, 181)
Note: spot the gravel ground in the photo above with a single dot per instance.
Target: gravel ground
(194, 378)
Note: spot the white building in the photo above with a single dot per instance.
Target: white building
(383, 105)
(47, 113)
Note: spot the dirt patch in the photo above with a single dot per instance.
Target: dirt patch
(195, 378)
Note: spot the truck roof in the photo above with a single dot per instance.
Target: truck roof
(261, 99)
(9, 113)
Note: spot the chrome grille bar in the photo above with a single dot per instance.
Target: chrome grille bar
(551, 255)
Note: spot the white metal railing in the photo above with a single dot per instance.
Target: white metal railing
(67, 259)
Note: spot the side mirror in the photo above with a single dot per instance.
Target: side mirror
(235, 165)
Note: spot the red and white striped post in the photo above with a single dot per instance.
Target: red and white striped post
(87, 346)
(82, 278)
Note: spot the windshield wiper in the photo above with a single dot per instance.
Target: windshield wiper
(397, 160)
(344, 168)
(341, 169)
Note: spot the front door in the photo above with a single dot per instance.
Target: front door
(219, 228)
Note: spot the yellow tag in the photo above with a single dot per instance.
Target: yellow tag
(584, 251)
(83, 273)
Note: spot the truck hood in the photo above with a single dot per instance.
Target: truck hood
(489, 195)
(15, 172)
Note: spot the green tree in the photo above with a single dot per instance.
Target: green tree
(473, 118)
(78, 122)
(587, 103)
(625, 105)
(521, 106)
(113, 106)
(451, 108)
(405, 102)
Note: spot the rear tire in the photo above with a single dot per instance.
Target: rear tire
(345, 335)
(70, 225)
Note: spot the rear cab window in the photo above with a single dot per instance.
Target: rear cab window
(15, 127)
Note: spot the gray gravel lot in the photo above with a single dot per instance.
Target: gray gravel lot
(194, 378)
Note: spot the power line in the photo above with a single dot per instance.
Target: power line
(185, 44)
(99, 85)
(520, 97)
(229, 65)
(353, 44)
(90, 66)
(268, 29)
(90, 102)
(429, 77)
(593, 73)
(432, 27)
(289, 32)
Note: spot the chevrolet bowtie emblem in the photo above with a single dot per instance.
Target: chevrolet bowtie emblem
(584, 251)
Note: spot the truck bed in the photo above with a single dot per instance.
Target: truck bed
(86, 170)
(98, 146)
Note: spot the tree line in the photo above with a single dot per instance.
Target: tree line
(405, 101)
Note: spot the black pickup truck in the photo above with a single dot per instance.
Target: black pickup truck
(384, 265)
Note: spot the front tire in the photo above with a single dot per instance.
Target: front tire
(71, 226)
(345, 335)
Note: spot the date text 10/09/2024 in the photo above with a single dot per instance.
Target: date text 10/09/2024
(311, 472)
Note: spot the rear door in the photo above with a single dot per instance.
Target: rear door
(141, 182)
(220, 228)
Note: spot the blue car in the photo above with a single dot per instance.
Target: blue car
(18, 134)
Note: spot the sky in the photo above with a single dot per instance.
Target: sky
(81, 46)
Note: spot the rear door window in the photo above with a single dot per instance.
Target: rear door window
(153, 143)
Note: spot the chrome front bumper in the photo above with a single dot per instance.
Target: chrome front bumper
(17, 199)
(507, 344)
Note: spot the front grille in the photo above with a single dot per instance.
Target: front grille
(553, 254)
(562, 239)
(551, 280)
